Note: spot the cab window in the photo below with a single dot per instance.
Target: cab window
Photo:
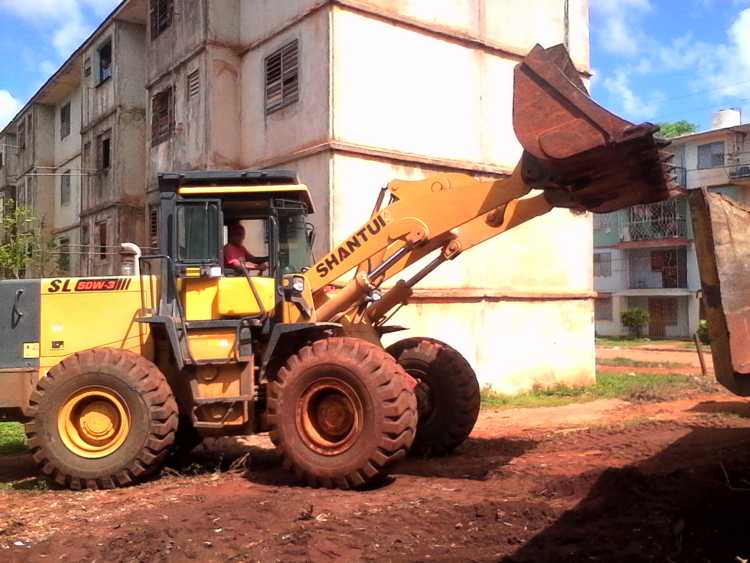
(197, 232)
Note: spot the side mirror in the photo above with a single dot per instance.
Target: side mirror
(310, 234)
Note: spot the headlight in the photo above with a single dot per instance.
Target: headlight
(298, 285)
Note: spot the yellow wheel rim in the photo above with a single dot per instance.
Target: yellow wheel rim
(94, 422)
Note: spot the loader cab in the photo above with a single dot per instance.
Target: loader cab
(196, 211)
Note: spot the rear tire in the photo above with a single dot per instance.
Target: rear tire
(341, 412)
(447, 393)
(101, 418)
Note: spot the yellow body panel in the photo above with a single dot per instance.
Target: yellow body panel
(213, 344)
(299, 190)
(82, 313)
(230, 297)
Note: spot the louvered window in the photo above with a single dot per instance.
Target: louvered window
(65, 121)
(194, 84)
(161, 16)
(282, 77)
(162, 116)
(153, 227)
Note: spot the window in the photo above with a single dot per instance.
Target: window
(105, 61)
(22, 135)
(87, 67)
(63, 258)
(101, 228)
(85, 242)
(153, 227)
(603, 309)
(104, 151)
(282, 78)
(711, 155)
(162, 116)
(65, 121)
(295, 236)
(193, 84)
(65, 188)
(197, 232)
(161, 16)
(602, 264)
(2, 158)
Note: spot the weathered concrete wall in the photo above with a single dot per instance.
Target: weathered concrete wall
(426, 99)
(480, 298)
(67, 214)
(225, 134)
(262, 19)
(268, 138)
(129, 60)
(9, 169)
(70, 146)
(513, 346)
(513, 25)
(178, 41)
(415, 93)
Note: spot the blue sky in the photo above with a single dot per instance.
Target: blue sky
(665, 60)
(653, 60)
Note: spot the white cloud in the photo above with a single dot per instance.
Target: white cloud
(9, 107)
(68, 22)
(617, 27)
(634, 106)
(712, 74)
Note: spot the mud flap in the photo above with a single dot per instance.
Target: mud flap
(722, 242)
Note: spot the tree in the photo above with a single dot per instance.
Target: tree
(669, 129)
(635, 319)
(24, 246)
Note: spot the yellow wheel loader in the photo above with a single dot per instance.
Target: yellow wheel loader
(111, 373)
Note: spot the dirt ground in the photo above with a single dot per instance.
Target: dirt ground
(662, 352)
(601, 481)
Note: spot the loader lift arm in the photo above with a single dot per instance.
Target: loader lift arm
(578, 154)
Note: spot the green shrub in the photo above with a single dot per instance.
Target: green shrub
(703, 332)
(635, 319)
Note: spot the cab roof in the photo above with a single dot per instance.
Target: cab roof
(221, 183)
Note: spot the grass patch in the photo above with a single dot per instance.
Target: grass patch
(638, 387)
(621, 341)
(638, 363)
(12, 438)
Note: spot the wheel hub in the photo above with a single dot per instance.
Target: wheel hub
(94, 422)
(329, 416)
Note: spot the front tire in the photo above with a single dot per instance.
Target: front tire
(447, 393)
(101, 418)
(341, 412)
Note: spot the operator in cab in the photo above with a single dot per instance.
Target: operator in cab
(236, 255)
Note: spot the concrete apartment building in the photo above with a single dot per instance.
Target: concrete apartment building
(645, 256)
(350, 94)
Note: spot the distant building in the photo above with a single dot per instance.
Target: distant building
(645, 256)
(348, 93)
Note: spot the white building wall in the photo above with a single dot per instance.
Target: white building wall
(424, 102)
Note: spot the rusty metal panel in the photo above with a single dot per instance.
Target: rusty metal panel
(584, 156)
(722, 242)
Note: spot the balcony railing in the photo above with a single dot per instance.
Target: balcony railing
(658, 269)
(657, 221)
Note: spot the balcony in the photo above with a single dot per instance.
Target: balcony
(657, 269)
(657, 221)
(681, 173)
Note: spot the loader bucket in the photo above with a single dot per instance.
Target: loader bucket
(584, 157)
(722, 243)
